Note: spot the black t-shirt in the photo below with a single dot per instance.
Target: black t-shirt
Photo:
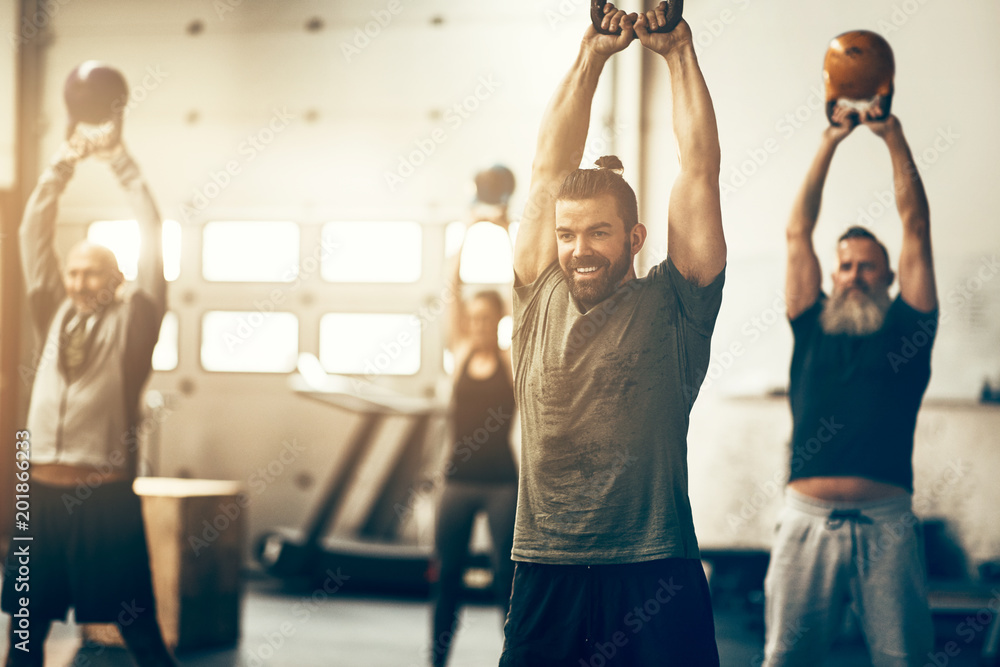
(481, 418)
(855, 399)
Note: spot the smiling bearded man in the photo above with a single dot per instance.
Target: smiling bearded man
(607, 366)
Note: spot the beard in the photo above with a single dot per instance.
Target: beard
(858, 314)
(591, 291)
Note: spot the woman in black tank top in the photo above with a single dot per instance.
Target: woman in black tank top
(480, 471)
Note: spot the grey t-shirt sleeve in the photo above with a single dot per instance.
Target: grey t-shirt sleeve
(698, 305)
(527, 297)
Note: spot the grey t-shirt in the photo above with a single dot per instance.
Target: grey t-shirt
(604, 398)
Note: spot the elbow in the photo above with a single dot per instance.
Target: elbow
(705, 165)
(798, 232)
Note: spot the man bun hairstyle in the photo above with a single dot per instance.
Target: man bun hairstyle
(610, 162)
(858, 232)
(606, 179)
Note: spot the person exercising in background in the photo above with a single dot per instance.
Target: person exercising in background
(481, 472)
(87, 552)
(604, 363)
(847, 530)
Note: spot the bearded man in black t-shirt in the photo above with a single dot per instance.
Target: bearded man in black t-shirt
(859, 369)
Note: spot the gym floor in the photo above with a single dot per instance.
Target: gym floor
(284, 630)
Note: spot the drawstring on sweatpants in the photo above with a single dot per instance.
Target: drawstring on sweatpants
(837, 519)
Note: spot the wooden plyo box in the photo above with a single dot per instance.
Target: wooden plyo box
(195, 530)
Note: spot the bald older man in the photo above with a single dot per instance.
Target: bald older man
(87, 547)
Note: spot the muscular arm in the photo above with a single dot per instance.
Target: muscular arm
(916, 264)
(802, 277)
(695, 239)
(560, 146)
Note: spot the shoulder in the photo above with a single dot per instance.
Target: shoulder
(903, 315)
(525, 294)
(808, 320)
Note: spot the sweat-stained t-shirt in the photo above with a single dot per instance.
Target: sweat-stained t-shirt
(604, 398)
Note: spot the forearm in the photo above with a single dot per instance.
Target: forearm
(805, 210)
(911, 199)
(695, 127)
(38, 228)
(560, 147)
(563, 134)
(695, 237)
(150, 266)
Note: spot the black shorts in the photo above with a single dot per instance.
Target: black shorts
(87, 552)
(652, 613)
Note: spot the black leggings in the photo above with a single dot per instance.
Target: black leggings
(460, 503)
(141, 635)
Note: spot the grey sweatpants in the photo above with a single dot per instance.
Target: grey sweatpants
(829, 554)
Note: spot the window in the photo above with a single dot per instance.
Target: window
(165, 352)
(122, 238)
(249, 342)
(487, 256)
(372, 252)
(265, 252)
(370, 343)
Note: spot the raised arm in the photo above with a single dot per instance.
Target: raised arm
(561, 142)
(917, 286)
(695, 240)
(458, 328)
(42, 273)
(803, 277)
(150, 278)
